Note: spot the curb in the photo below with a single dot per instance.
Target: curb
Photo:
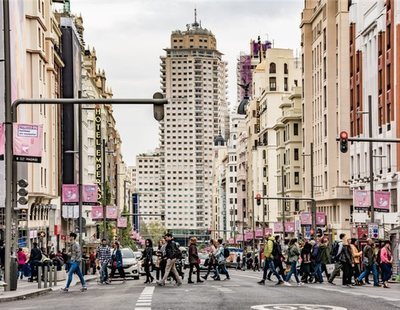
(23, 296)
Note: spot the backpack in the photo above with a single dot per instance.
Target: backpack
(335, 250)
(275, 250)
(176, 253)
(226, 253)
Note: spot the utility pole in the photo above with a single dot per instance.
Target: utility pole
(283, 201)
(80, 184)
(371, 159)
(313, 204)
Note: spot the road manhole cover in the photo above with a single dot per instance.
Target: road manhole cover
(295, 307)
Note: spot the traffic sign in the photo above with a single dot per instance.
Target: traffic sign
(373, 231)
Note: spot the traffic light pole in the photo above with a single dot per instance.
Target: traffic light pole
(371, 160)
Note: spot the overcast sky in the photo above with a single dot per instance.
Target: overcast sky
(130, 35)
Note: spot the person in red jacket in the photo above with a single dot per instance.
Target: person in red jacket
(386, 263)
(21, 257)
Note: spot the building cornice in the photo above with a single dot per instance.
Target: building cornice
(38, 19)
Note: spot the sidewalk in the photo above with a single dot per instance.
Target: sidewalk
(27, 289)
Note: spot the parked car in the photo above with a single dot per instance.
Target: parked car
(130, 264)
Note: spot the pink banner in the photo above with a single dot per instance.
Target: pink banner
(97, 213)
(231, 241)
(382, 201)
(2, 140)
(28, 142)
(320, 219)
(89, 194)
(361, 199)
(70, 194)
(111, 212)
(278, 227)
(305, 218)
(289, 227)
(259, 233)
(248, 235)
(268, 231)
(122, 222)
(239, 238)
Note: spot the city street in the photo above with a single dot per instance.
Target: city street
(241, 292)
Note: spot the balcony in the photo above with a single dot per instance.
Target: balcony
(341, 192)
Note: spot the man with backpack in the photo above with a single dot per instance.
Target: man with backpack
(172, 253)
(337, 249)
(221, 254)
(270, 251)
(277, 257)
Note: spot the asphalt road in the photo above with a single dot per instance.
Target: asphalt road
(241, 292)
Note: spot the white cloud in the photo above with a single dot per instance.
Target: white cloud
(130, 35)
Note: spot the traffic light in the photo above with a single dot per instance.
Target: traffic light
(22, 192)
(258, 198)
(344, 142)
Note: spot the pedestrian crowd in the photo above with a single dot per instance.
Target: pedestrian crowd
(309, 260)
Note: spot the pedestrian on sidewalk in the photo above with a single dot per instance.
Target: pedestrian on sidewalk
(278, 259)
(147, 258)
(238, 259)
(21, 258)
(92, 262)
(305, 267)
(324, 254)
(171, 252)
(356, 257)
(369, 263)
(119, 265)
(256, 264)
(103, 255)
(35, 259)
(386, 263)
(221, 261)
(347, 262)
(76, 258)
(194, 260)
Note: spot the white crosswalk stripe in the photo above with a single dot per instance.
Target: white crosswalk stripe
(144, 300)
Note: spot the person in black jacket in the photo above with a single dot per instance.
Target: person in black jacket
(171, 252)
(34, 260)
(147, 257)
(347, 262)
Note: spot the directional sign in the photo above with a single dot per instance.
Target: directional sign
(373, 231)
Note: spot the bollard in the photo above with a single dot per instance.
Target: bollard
(39, 276)
(55, 276)
(51, 276)
(46, 274)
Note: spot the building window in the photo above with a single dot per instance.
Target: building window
(272, 67)
(285, 69)
(272, 83)
(285, 83)
(296, 178)
(296, 129)
(296, 154)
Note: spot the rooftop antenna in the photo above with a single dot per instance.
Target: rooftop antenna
(195, 24)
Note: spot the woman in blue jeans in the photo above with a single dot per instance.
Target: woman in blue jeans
(293, 257)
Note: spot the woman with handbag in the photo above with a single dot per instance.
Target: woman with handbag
(194, 260)
(117, 261)
(147, 257)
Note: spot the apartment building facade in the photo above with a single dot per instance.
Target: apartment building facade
(194, 80)
(325, 108)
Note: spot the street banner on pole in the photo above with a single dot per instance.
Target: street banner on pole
(2, 141)
(70, 194)
(89, 194)
(248, 235)
(111, 212)
(289, 227)
(28, 142)
(122, 222)
(305, 218)
(361, 199)
(97, 212)
(320, 219)
(259, 233)
(278, 227)
(239, 238)
(382, 201)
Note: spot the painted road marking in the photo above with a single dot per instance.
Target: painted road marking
(144, 300)
(356, 293)
(296, 307)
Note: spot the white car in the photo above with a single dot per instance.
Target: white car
(130, 264)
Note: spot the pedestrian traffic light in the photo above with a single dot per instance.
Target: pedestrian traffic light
(22, 192)
(344, 141)
(258, 198)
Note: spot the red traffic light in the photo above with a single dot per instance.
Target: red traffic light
(258, 196)
(344, 135)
